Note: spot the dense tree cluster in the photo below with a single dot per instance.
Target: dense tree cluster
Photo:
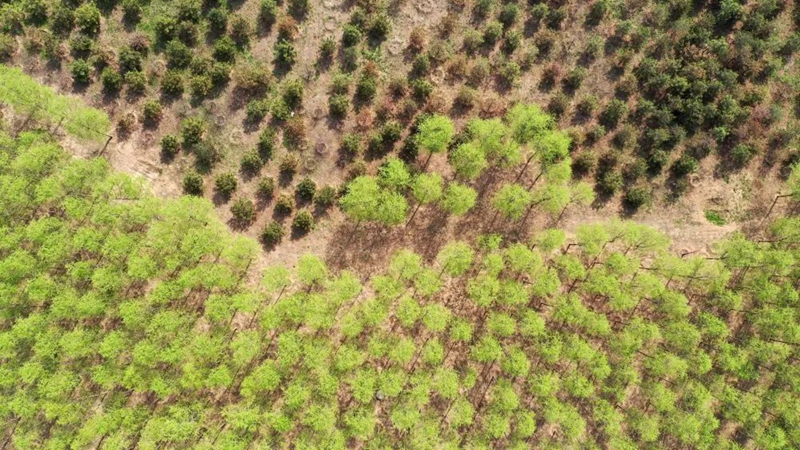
(129, 321)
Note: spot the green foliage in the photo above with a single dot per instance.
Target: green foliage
(27, 96)
(225, 184)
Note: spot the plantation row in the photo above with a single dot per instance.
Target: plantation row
(129, 321)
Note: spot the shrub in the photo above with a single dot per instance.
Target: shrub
(366, 87)
(188, 10)
(512, 41)
(327, 50)
(225, 184)
(256, 110)
(151, 111)
(306, 189)
(625, 137)
(284, 204)
(240, 30)
(62, 19)
(129, 60)
(272, 234)
(421, 89)
(219, 74)
(325, 197)
(81, 71)
(251, 161)
(473, 40)
(136, 81)
(252, 78)
(294, 133)
(289, 164)
(266, 187)
(280, 110)
(351, 145)
(657, 160)
(200, 85)
(421, 65)
(224, 49)
(587, 105)
(742, 154)
(293, 93)
(170, 145)
(192, 130)
(338, 106)
(610, 182)
(351, 35)
(509, 15)
(111, 79)
(575, 78)
(87, 18)
(350, 58)
(466, 98)
(172, 83)
(479, 72)
(585, 162)
(217, 19)
(614, 112)
(193, 184)
(558, 105)
(492, 33)
(268, 12)
(303, 222)
(285, 53)
(381, 27)
(81, 45)
(266, 143)
(178, 54)
(684, 166)
(243, 211)
(299, 8)
(509, 73)
(637, 197)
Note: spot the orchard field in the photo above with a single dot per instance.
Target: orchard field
(399, 224)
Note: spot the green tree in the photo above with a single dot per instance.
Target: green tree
(458, 199)
(426, 188)
(434, 135)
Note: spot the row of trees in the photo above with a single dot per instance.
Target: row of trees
(128, 321)
(526, 139)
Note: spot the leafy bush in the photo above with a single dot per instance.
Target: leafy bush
(193, 184)
(325, 197)
(251, 162)
(338, 106)
(366, 87)
(129, 60)
(610, 182)
(637, 197)
(293, 93)
(492, 33)
(266, 187)
(172, 83)
(285, 53)
(178, 54)
(615, 111)
(257, 109)
(284, 204)
(87, 18)
(192, 130)
(272, 234)
(224, 49)
(381, 26)
(217, 19)
(351, 145)
(268, 12)
(289, 164)
(684, 165)
(81, 71)
(351, 35)
(170, 145)
(240, 30)
(151, 111)
(225, 184)
(266, 143)
(742, 154)
(243, 211)
(136, 82)
(303, 222)
(200, 86)
(306, 189)
(111, 79)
